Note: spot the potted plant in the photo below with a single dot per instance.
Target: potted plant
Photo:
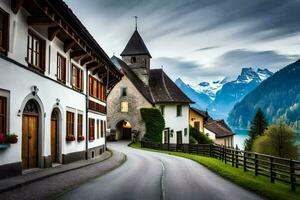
(80, 138)
(70, 138)
(2, 138)
(11, 138)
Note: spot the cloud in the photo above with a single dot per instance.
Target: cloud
(232, 61)
(207, 48)
(178, 67)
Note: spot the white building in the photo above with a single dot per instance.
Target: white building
(144, 87)
(53, 82)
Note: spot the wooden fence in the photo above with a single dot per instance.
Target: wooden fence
(279, 169)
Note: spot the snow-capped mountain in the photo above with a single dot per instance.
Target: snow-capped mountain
(201, 100)
(210, 88)
(220, 96)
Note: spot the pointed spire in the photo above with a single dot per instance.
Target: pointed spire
(136, 25)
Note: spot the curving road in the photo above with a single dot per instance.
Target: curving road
(151, 175)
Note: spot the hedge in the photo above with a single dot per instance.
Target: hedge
(155, 124)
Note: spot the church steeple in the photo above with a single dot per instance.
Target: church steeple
(137, 56)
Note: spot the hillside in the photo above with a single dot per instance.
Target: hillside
(278, 96)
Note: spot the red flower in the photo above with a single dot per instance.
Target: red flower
(2, 138)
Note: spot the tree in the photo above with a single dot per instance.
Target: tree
(257, 127)
(279, 140)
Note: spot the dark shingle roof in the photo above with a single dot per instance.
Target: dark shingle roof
(219, 127)
(164, 90)
(161, 88)
(135, 46)
(140, 86)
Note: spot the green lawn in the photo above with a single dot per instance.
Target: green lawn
(258, 184)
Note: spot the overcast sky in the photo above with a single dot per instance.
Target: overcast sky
(199, 39)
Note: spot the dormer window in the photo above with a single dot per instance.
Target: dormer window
(133, 59)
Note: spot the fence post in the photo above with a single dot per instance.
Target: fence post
(255, 164)
(292, 177)
(225, 155)
(245, 161)
(271, 170)
(210, 150)
(236, 159)
(232, 158)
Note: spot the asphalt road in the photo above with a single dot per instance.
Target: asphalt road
(151, 175)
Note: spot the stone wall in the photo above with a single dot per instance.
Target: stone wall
(135, 102)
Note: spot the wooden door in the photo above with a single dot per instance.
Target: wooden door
(54, 138)
(179, 137)
(29, 141)
(166, 136)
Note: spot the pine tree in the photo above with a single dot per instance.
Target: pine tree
(257, 127)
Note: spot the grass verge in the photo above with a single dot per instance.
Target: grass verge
(259, 184)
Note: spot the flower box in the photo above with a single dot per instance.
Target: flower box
(11, 138)
(70, 138)
(80, 138)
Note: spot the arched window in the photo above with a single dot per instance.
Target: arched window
(31, 107)
(133, 59)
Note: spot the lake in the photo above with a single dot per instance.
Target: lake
(242, 134)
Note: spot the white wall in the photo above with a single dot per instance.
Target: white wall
(210, 134)
(18, 81)
(176, 123)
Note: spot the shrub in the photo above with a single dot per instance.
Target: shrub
(193, 140)
(201, 138)
(155, 124)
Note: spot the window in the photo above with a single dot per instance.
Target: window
(197, 125)
(79, 125)
(77, 80)
(162, 109)
(179, 110)
(97, 89)
(70, 123)
(4, 29)
(98, 127)
(91, 129)
(3, 114)
(36, 52)
(61, 68)
(185, 131)
(133, 59)
(123, 91)
(166, 136)
(102, 129)
(124, 106)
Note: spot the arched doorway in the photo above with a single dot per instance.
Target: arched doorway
(30, 122)
(123, 130)
(54, 136)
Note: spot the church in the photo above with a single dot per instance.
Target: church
(142, 87)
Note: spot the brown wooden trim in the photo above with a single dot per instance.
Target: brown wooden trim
(77, 53)
(33, 21)
(65, 68)
(16, 5)
(97, 107)
(68, 45)
(52, 32)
